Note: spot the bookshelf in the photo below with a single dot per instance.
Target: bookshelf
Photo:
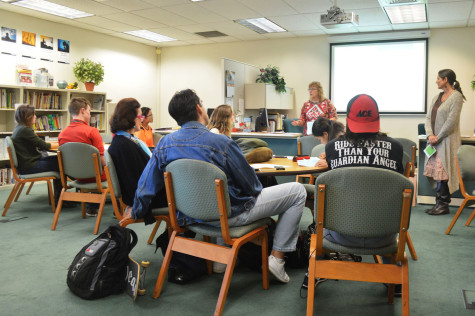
(51, 108)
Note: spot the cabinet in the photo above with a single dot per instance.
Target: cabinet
(51, 109)
(259, 95)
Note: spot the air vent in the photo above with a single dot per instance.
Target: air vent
(211, 34)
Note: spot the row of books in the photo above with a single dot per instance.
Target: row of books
(278, 119)
(7, 99)
(43, 100)
(50, 122)
(97, 121)
(6, 176)
(3, 149)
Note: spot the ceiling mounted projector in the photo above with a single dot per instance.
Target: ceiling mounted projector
(337, 18)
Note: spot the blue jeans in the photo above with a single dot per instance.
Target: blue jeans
(286, 200)
(45, 164)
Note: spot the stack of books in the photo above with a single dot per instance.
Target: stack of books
(43, 100)
(50, 122)
(7, 99)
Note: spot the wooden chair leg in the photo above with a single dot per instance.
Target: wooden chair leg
(462, 206)
(154, 231)
(470, 218)
(19, 191)
(265, 260)
(164, 268)
(50, 195)
(83, 209)
(311, 286)
(10, 198)
(58, 210)
(29, 188)
(411, 247)
(405, 287)
(209, 263)
(223, 293)
(99, 213)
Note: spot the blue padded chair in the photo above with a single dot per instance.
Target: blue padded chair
(466, 173)
(289, 128)
(81, 161)
(200, 190)
(22, 179)
(106, 138)
(160, 214)
(362, 202)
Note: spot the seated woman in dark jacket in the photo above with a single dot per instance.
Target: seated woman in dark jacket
(129, 153)
(28, 146)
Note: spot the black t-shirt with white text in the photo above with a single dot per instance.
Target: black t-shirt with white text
(385, 153)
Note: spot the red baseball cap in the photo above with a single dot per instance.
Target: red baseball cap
(362, 114)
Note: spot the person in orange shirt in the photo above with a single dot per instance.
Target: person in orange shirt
(146, 133)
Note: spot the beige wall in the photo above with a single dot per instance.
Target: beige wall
(130, 68)
(302, 60)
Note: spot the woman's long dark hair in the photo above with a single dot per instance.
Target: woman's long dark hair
(451, 79)
(333, 128)
(359, 139)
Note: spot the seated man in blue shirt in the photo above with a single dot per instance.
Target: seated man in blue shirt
(249, 201)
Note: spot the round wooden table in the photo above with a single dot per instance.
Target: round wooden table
(291, 168)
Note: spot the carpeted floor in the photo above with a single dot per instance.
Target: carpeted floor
(35, 260)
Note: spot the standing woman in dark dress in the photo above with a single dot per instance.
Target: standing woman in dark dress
(130, 154)
(443, 131)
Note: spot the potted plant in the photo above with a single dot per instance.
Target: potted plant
(270, 74)
(89, 72)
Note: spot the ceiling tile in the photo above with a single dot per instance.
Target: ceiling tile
(231, 28)
(106, 23)
(127, 5)
(371, 17)
(409, 26)
(449, 11)
(348, 5)
(193, 28)
(374, 28)
(279, 35)
(230, 9)
(135, 20)
(163, 16)
(471, 23)
(195, 13)
(88, 6)
(162, 3)
(269, 7)
(200, 41)
(172, 43)
(346, 30)
(224, 39)
(443, 24)
(309, 33)
(90, 27)
(294, 22)
(306, 6)
(135, 39)
(175, 33)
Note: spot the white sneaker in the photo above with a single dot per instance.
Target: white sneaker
(219, 267)
(278, 269)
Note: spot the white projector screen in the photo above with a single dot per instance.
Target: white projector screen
(394, 73)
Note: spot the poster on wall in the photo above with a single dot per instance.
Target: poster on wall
(46, 48)
(28, 47)
(230, 83)
(8, 43)
(63, 51)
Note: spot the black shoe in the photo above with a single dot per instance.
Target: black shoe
(317, 281)
(441, 209)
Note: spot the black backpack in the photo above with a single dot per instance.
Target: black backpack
(99, 269)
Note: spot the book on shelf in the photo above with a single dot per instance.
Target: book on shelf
(97, 121)
(6, 176)
(50, 122)
(7, 99)
(3, 149)
(43, 100)
(98, 103)
(278, 118)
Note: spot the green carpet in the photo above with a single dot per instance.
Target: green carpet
(35, 260)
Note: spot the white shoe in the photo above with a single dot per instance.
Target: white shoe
(278, 269)
(219, 267)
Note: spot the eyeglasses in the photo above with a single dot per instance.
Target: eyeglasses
(141, 117)
(149, 115)
(312, 89)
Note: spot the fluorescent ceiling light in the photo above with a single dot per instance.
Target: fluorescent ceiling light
(52, 8)
(151, 36)
(261, 25)
(412, 13)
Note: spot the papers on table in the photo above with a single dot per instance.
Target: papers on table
(308, 162)
(429, 151)
(265, 166)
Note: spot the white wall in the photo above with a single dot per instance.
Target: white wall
(130, 68)
(302, 60)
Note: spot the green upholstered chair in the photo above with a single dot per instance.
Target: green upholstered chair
(306, 144)
(106, 138)
(156, 138)
(199, 190)
(289, 128)
(409, 148)
(466, 173)
(81, 161)
(362, 202)
(160, 214)
(310, 187)
(22, 179)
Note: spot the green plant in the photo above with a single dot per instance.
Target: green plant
(87, 70)
(271, 74)
(473, 84)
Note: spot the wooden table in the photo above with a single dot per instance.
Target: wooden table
(291, 168)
